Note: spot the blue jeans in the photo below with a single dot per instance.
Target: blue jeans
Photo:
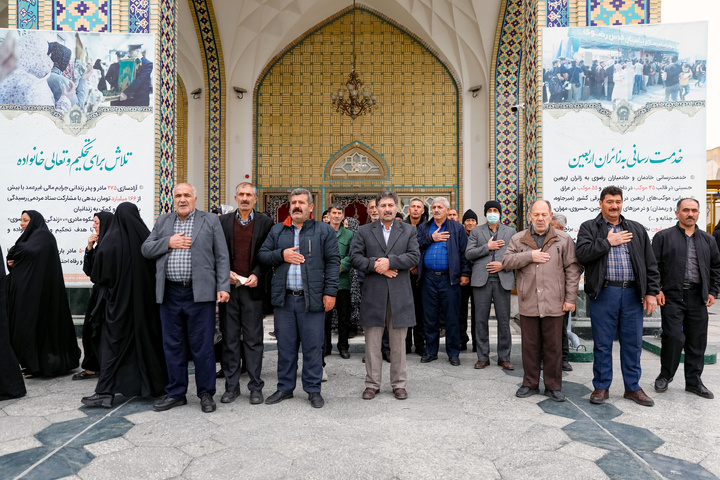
(293, 327)
(619, 310)
(439, 297)
(187, 326)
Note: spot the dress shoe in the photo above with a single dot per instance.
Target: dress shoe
(207, 404)
(344, 354)
(555, 395)
(386, 356)
(524, 392)
(428, 358)
(256, 397)
(480, 364)
(166, 403)
(661, 384)
(506, 365)
(454, 361)
(369, 393)
(400, 393)
(700, 390)
(598, 396)
(420, 351)
(98, 400)
(85, 375)
(316, 400)
(230, 395)
(639, 397)
(566, 367)
(278, 397)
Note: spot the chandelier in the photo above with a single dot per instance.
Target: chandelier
(355, 99)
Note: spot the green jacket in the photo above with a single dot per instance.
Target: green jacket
(344, 239)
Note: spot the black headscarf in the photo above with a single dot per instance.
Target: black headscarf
(131, 353)
(105, 218)
(42, 333)
(60, 55)
(11, 380)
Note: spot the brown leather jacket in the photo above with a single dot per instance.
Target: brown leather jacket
(543, 287)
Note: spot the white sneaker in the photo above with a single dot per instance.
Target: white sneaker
(324, 377)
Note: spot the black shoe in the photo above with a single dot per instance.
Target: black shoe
(98, 400)
(555, 395)
(166, 403)
(428, 358)
(220, 374)
(256, 397)
(661, 384)
(344, 354)
(84, 375)
(278, 397)
(207, 404)
(420, 352)
(316, 400)
(566, 366)
(454, 361)
(363, 360)
(524, 392)
(230, 395)
(386, 356)
(700, 390)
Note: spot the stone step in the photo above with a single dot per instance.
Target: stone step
(652, 344)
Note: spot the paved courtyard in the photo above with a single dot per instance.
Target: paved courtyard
(458, 422)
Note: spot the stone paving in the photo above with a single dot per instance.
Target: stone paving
(458, 422)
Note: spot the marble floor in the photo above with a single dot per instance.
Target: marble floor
(458, 422)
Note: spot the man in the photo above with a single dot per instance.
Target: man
(559, 222)
(491, 284)
(689, 264)
(443, 269)
(343, 303)
(621, 278)
(113, 71)
(385, 251)
(304, 254)
(241, 318)
(192, 273)
(671, 74)
(547, 275)
(137, 94)
(372, 211)
(469, 221)
(416, 211)
(453, 214)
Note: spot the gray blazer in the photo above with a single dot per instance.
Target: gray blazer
(210, 259)
(478, 253)
(403, 253)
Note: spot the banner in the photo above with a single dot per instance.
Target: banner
(78, 133)
(629, 116)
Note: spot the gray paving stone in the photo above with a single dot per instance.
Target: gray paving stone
(18, 445)
(547, 465)
(172, 430)
(65, 416)
(17, 427)
(242, 463)
(108, 446)
(202, 448)
(140, 463)
(43, 405)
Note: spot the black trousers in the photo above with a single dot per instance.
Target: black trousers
(565, 344)
(343, 306)
(465, 295)
(684, 325)
(244, 317)
(416, 334)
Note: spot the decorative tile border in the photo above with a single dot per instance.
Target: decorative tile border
(27, 14)
(558, 13)
(165, 104)
(139, 16)
(531, 115)
(181, 123)
(214, 70)
(81, 15)
(617, 12)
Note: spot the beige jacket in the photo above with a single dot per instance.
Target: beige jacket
(543, 287)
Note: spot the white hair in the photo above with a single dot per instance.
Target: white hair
(442, 199)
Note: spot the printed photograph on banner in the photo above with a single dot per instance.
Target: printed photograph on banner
(653, 149)
(77, 125)
(638, 63)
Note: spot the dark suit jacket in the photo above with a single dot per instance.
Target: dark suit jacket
(210, 259)
(403, 253)
(262, 227)
(478, 253)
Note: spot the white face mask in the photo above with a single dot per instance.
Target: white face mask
(493, 217)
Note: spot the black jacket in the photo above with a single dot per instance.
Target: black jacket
(670, 248)
(592, 247)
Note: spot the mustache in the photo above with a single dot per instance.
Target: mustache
(297, 210)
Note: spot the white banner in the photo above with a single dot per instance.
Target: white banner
(652, 148)
(78, 154)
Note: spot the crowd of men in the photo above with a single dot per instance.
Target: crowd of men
(416, 277)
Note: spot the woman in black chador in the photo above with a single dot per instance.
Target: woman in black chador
(11, 381)
(96, 306)
(131, 354)
(42, 333)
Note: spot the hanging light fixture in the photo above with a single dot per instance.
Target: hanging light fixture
(355, 99)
